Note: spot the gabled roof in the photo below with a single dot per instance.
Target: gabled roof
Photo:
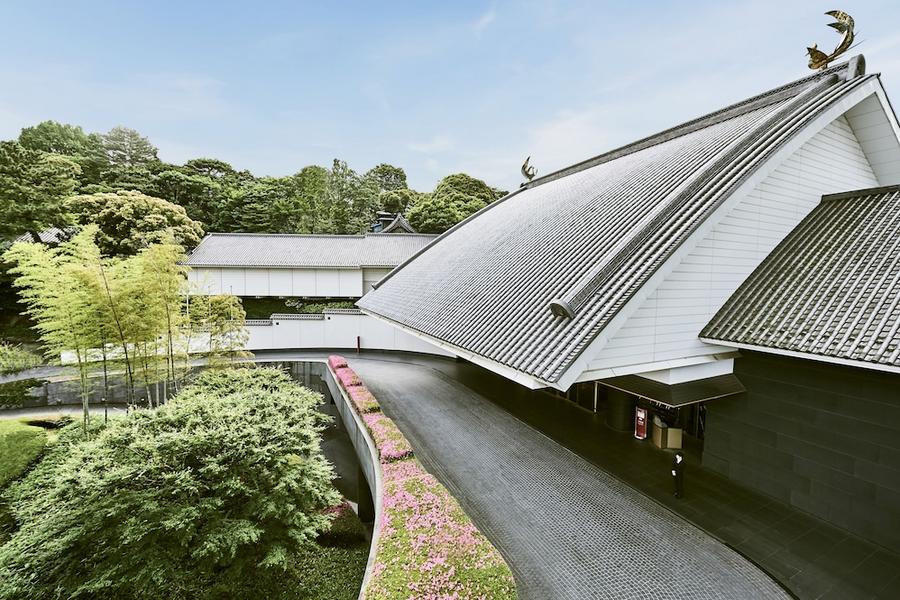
(830, 289)
(399, 225)
(305, 251)
(530, 281)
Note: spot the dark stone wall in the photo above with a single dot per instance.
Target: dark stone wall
(823, 438)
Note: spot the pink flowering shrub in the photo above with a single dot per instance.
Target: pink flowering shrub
(347, 377)
(363, 399)
(428, 547)
(392, 445)
(336, 362)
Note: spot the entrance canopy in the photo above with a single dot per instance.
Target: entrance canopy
(679, 394)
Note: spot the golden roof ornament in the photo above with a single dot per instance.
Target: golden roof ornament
(844, 25)
(528, 172)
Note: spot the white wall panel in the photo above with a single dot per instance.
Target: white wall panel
(304, 282)
(233, 282)
(666, 324)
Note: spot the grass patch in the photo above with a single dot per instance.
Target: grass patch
(20, 445)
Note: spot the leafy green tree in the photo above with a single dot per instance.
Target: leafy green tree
(466, 185)
(60, 300)
(84, 149)
(387, 178)
(204, 198)
(399, 201)
(126, 147)
(130, 221)
(351, 200)
(225, 482)
(34, 186)
(454, 199)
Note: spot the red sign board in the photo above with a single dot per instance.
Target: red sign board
(640, 423)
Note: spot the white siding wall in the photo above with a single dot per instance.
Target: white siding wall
(371, 276)
(666, 324)
(335, 331)
(342, 283)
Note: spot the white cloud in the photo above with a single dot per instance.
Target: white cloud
(437, 144)
(484, 20)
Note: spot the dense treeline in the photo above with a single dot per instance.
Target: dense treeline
(57, 174)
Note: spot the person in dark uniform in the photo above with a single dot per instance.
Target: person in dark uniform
(678, 474)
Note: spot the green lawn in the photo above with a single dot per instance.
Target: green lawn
(20, 446)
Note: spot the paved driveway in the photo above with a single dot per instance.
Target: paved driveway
(567, 529)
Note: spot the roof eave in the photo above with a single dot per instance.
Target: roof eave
(519, 377)
(835, 360)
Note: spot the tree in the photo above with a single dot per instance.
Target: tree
(130, 221)
(466, 185)
(203, 197)
(84, 149)
(399, 201)
(60, 299)
(126, 147)
(454, 199)
(351, 200)
(387, 178)
(33, 188)
(208, 490)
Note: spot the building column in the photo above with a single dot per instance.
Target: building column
(621, 410)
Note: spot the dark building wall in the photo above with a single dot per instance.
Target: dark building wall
(824, 438)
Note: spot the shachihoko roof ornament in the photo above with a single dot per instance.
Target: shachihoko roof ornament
(844, 25)
(528, 172)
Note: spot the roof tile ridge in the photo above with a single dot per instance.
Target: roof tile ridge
(862, 193)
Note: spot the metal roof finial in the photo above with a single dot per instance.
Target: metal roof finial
(844, 25)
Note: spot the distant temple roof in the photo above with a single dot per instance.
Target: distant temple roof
(399, 225)
(305, 251)
(831, 288)
(530, 281)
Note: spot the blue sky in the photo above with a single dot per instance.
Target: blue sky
(433, 87)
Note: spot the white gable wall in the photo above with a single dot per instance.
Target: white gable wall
(664, 327)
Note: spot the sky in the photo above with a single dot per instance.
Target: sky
(435, 88)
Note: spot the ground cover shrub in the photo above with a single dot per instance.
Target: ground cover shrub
(363, 399)
(391, 443)
(347, 377)
(15, 358)
(223, 486)
(428, 547)
(336, 362)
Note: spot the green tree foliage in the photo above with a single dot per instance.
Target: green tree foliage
(456, 197)
(130, 221)
(34, 186)
(84, 149)
(351, 200)
(399, 201)
(387, 178)
(190, 500)
(60, 299)
(126, 147)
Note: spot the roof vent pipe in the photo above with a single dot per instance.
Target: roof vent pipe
(561, 308)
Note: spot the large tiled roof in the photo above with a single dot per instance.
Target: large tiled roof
(831, 288)
(306, 251)
(589, 235)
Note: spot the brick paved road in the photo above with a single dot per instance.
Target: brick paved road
(567, 529)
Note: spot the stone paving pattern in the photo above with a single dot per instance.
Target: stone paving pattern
(567, 528)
